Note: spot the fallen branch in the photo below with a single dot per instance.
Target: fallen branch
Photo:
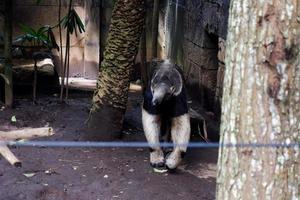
(9, 156)
(26, 133)
(194, 114)
(20, 134)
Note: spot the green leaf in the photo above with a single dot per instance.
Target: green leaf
(13, 119)
(52, 39)
(43, 29)
(73, 23)
(27, 29)
(79, 22)
(39, 37)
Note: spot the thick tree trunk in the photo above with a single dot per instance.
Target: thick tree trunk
(261, 101)
(8, 4)
(110, 97)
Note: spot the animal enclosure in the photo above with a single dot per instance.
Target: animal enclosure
(149, 99)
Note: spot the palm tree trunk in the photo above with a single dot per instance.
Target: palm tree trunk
(110, 97)
(8, 4)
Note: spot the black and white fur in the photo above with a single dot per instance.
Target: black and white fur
(166, 85)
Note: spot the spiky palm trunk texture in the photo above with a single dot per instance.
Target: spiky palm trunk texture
(110, 97)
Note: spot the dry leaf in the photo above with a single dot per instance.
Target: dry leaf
(29, 174)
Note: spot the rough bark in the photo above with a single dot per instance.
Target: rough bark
(8, 4)
(155, 19)
(110, 97)
(143, 57)
(261, 101)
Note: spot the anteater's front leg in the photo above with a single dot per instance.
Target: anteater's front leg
(180, 132)
(151, 125)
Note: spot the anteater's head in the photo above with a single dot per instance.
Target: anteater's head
(165, 83)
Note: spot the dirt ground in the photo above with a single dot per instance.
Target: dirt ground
(95, 174)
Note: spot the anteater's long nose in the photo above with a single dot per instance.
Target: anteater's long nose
(154, 102)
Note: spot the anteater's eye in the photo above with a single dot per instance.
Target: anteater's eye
(153, 88)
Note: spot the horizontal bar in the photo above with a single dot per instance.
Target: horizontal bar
(73, 144)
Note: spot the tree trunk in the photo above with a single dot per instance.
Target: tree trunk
(143, 57)
(8, 4)
(110, 97)
(155, 21)
(261, 102)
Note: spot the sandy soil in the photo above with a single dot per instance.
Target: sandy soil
(91, 174)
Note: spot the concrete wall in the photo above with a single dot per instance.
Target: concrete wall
(84, 56)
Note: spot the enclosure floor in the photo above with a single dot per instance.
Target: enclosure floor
(91, 174)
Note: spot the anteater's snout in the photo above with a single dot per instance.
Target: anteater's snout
(155, 102)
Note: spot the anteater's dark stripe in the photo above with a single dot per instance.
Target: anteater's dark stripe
(182, 153)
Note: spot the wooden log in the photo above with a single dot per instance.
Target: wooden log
(20, 134)
(26, 133)
(9, 156)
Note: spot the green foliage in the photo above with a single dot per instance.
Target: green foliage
(44, 35)
(41, 37)
(73, 23)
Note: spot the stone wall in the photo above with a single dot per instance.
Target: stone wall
(204, 24)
